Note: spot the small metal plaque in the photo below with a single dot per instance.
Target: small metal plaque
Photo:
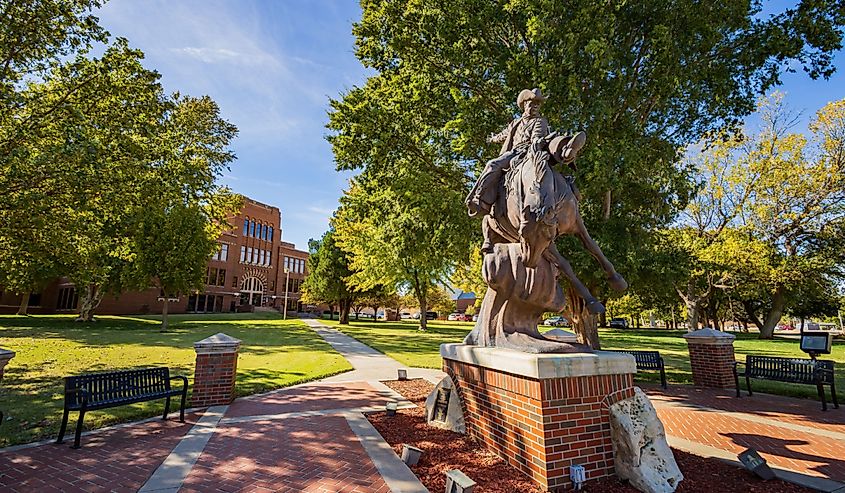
(441, 405)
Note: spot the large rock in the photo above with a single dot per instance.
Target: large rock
(454, 417)
(640, 451)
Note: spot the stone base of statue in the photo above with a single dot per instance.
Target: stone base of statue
(542, 413)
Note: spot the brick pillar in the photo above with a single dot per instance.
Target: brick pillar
(216, 368)
(711, 356)
(542, 413)
(5, 357)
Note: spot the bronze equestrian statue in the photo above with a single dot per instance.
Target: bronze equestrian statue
(527, 204)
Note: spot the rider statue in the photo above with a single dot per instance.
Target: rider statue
(526, 204)
(517, 139)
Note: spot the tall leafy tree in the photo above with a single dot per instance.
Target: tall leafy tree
(328, 273)
(643, 78)
(401, 235)
(184, 207)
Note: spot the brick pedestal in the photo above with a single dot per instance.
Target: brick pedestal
(216, 368)
(541, 413)
(711, 356)
(5, 357)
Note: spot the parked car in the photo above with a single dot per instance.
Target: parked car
(475, 318)
(405, 316)
(431, 315)
(618, 323)
(454, 317)
(556, 322)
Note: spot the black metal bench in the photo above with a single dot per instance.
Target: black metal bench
(104, 390)
(790, 370)
(648, 360)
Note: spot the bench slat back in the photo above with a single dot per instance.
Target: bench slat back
(793, 370)
(646, 360)
(118, 385)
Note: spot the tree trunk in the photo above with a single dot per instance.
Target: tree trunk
(767, 331)
(375, 313)
(24, 306)
(583, 322)
(89, 302)
(421, 291)
(603, 316)
(344, 312)
(164, 314)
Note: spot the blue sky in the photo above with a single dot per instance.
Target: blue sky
(272, 66)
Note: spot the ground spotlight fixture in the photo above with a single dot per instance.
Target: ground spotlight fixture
(458, 482)
(403, 374)
(578, 475)
(391, 408)
(756, 464)
(410, 454)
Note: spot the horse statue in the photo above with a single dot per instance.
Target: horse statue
(535, 205)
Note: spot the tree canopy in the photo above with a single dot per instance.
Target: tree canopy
(644, 79)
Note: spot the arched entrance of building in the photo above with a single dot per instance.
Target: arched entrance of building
(252, 291)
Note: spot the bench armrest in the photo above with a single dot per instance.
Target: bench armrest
(78, 390)
(180, 377)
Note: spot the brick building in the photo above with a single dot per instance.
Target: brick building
(251, 271)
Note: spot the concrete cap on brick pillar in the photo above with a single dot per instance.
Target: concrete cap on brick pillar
(219, 343)
(709, 337)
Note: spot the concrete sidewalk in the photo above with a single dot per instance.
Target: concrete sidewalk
(369, 364)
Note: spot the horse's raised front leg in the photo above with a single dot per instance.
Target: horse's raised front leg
(615, 279)
(593, 305)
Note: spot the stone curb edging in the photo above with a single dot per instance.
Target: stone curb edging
(171, 473)
(398, 477)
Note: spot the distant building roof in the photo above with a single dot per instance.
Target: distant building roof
(465, 296)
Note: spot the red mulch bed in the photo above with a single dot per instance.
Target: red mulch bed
(445, 450)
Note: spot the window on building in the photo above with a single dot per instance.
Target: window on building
(271, 233)
(246, 226)
(287, 263)
(68, 299)
(261, 257)
(243, 254)
(224, 252)
(264, 232)
(301, 265)
(221, 277)
(235, 282)
(269, 254)
(249, 259)
(211, 277)
(252, 228)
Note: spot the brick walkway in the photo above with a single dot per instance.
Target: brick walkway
(309, 438)
(792, 434)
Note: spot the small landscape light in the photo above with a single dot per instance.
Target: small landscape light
(756, 464)
(403, 374)
(458, 482)
(578, 475)
(410, 454)
(391, 408)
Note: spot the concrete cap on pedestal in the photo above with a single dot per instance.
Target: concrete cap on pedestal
(541, 365)
(709, 336)
(218, 343)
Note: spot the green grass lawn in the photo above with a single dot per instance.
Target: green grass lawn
(274, 353)
(403, 342)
